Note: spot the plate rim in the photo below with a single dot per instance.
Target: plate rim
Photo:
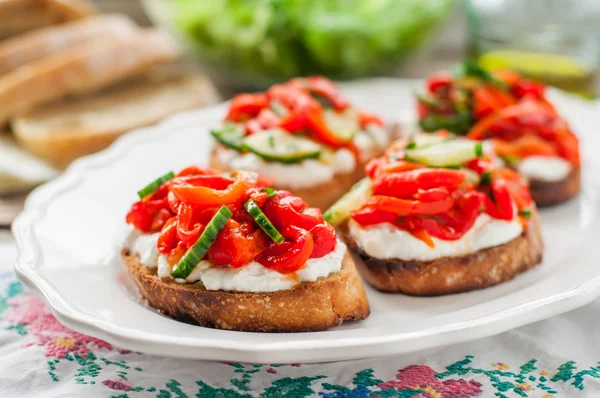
(209, 348)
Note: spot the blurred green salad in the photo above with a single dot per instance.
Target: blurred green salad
(277, 39)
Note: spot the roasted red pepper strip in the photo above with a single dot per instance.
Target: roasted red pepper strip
(441, 80)
(212, 190)
(283, 210)
(246, 106)
(407, 183)
(369, 216)
(290, 255)
(403, 207)
(237, 245)
(167, 240)
(501, 206)
(326, 89)
(368, 119)
(324, 239)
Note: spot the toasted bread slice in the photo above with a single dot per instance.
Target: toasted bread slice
(19, 16)
(40, 43)
(308, 307)
(64, 131)
(448, 275)
(83, 69)
(321, 196)
(549, 193)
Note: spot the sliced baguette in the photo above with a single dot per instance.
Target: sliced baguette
(308, 307)
(19, 16)
(448, 275)
(64, 131)
(549, 193)
(82, 69)
(35, 45)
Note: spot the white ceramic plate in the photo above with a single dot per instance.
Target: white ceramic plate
(70, 234)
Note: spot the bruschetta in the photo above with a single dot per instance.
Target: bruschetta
(227, 251)
(435, 216)
(515, 115)
(302, 135)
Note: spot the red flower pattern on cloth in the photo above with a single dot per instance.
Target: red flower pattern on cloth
(423, 377)
(58, 339)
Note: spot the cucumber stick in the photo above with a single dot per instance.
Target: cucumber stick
(279, 146)
(154, 185)
(192, 257)
(230, 135)
(352, 200)
(446, 153)
(262, 221)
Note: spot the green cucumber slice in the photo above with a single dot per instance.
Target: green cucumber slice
(424, 140)
(154, 185)
(352, 200)
(262, 221)
(192, 257)
(230, 135)
(444, 154)
(279, 146)
(343, 124)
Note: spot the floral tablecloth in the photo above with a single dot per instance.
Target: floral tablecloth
(41, 358)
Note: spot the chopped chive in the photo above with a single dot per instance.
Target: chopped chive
(486, 178)
(270, 192)
(272, 141)
(154, 185)
(525, 213)
(479, 149)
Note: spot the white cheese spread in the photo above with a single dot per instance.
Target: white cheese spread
(252, 277)
(309, 172)
(544, 168)
(385, 241)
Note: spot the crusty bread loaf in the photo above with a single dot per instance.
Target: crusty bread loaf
(82, 69)
(35, 45)
(448, 275)
(307, 307)
(66, 130)
(549, 193)
(19, 16)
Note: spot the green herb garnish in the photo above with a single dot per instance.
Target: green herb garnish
(525, 213)
(486, 178)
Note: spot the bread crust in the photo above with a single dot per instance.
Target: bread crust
(321, 196)
(32, 46)
(59, 143)
(550, 193)
(82, 69)
(308, 307)
(449, 275)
